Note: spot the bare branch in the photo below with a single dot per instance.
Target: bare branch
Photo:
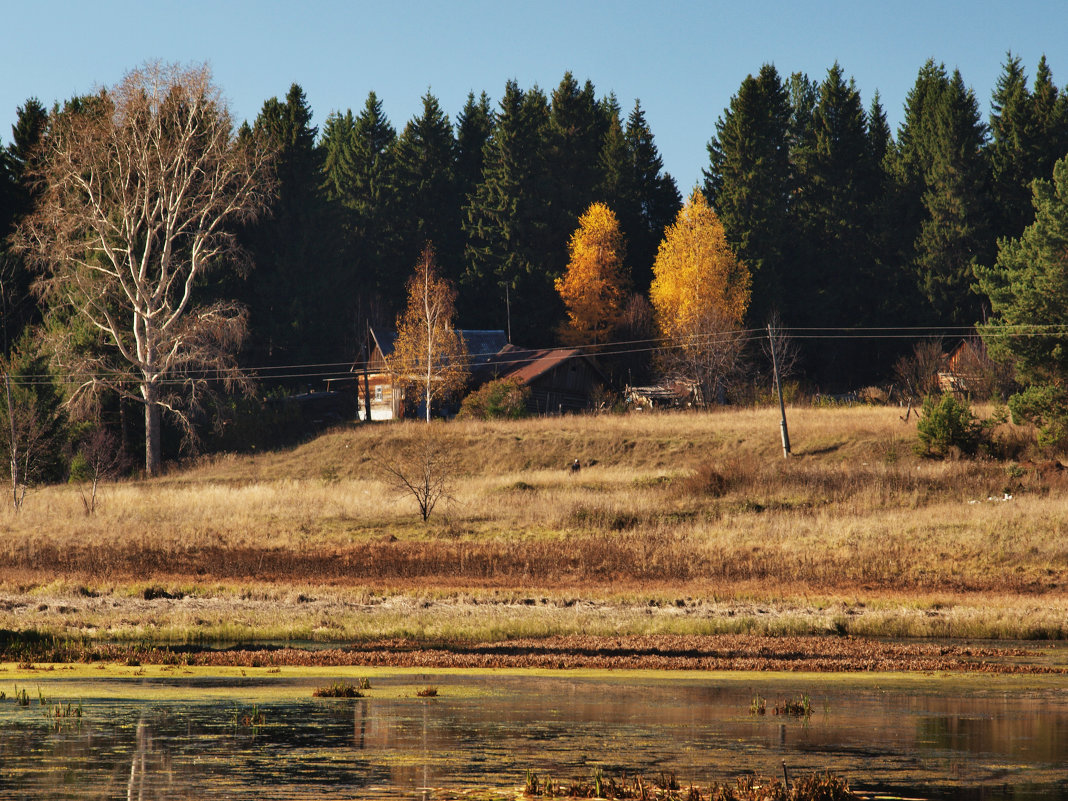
(141, 188)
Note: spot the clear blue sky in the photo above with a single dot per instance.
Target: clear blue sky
(683, 60)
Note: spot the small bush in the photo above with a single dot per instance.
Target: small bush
(503, 398)
(948, 423)
(714, 480)
(1046, 407)
(340, 689)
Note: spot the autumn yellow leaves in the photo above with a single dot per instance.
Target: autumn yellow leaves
(699, 294)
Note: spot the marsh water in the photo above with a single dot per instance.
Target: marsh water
(266, 737)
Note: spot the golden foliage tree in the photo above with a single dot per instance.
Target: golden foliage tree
(700, 293)
(594, 288)
(429, 353)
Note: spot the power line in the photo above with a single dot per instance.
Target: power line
(525, 356)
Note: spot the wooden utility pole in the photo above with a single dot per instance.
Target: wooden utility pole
(778, 388)
(366, 383)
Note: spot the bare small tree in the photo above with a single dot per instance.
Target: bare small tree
(24, 438)
(918, 373)
(103, 459)
(425, 470)
(709, 357)
(428, 352)
(140, 189)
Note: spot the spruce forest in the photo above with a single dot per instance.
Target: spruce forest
(843, 227)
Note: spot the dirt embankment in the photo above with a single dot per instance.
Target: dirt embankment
(659, 652)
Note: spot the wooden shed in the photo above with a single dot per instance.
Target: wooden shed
(560, 379)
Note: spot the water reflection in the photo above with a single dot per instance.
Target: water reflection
(962, 741)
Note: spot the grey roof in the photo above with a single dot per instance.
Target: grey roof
(482, 345)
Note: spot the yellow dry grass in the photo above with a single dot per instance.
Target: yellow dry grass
(854, 533)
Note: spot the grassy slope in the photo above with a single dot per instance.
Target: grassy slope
(677, 523)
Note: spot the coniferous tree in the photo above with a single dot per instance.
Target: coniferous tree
(359, 176)
(337, 147)
(295, 309)
(1012, 149)
(1051, 121)
(942, 194)
(835, 175)
(18, 308)
(956, 234)
(749, 183)
(656, 196)
(894, 293)
(574, 139)
(616, 185)
(1027, 287)
(427, 197)
(506, 224)
(835, 284)
(474, 126)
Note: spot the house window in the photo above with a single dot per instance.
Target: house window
(378, 394)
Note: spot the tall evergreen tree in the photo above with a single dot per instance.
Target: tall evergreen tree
(1027, 287)
(748, 183)
(577, 126)
(18, 307)
(835, 178)
(427, 196)
(943, 194)
(615, 161)
(657, 197)
(894, 291)
(359, 176)
(506, 223)
(956, 233)
(1013, 148)
(1051, 120)
(834, 283)
(474, 126)
(295, 312)
(337, 147)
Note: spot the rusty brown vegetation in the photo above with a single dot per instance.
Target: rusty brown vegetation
(855, 534)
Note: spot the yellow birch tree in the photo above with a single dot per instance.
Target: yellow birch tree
(429, 353)
(700, 293)
(594, 287)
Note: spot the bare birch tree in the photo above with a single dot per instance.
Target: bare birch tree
(140, 189)
(24, 436)
(428, 352)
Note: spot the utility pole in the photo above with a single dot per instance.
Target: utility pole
(366, 353)
(778, 388)
(508, 311)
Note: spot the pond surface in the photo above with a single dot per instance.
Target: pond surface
(265, 737)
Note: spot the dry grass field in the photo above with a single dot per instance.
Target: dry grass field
(681, 524)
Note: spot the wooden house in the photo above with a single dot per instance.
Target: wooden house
(376, 383)
(560, 379)
(967, 369)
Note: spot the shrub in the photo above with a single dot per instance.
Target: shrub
(948, 423)
(503, 397)
(1046, 407)
(340, 689)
